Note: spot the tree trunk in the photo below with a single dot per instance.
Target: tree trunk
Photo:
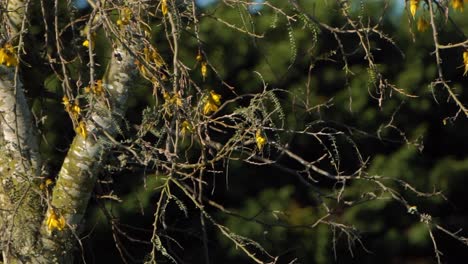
(27, 234)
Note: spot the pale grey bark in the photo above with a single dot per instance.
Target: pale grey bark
(19, 168)
(79, 171)
(24, 234)
(21, 206)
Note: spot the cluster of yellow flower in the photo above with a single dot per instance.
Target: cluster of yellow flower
(204, 69)
(73, 109)
(151, 54)
(213, 101)
(172, 100)
(456, 5)
(422, 25)
(44, 185)
(203, 65)
(125, 17)
(86, 41)
(81, 129)
(164, 8)
(55, 221)
(8, 56)
(260, 139)
(413, 7)
(95, 89)
(152, 57)
(186, 127)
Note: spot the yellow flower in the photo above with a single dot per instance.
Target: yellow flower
(423, 25)
(96, 89)
(164, 9)
(152, 55)
(216, 97)
(260, 139)
(86, 41)
(45, 184)
(414, 6)
(125, 17)
(465, 62)
(186, 127)
(55, 222)
(66, 103)
(204, 69)
(176, 100)
(212, 103)
(172, 100)
(458, 5)
(81, 129)
(199, 56)
(166, 96)
(8, 56)
(74, 109)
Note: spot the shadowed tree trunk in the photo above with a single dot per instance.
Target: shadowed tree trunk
(44, 229)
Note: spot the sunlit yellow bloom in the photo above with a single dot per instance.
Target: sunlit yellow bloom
(141, 68)
(166, 96)
(96, 89)
(164, 7)
(199, 57)
(465, 62)
(8, 56)
(125, 17)
(152, 55)
(186, 127)
(66, 103)
(45, 184)
(204, 69)
(176, 100)
(216, 97)
(212, 103)
(458, 5)
(75, 110)
(152, 58)
(260, 139)
(81, 129)
(209, 108)
(172, 100)
(414, 6)
(423, 25)
(86, 41)
(55, 222)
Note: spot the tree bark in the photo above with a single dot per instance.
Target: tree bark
(84, 159)
(25, 236)
(20, 201)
